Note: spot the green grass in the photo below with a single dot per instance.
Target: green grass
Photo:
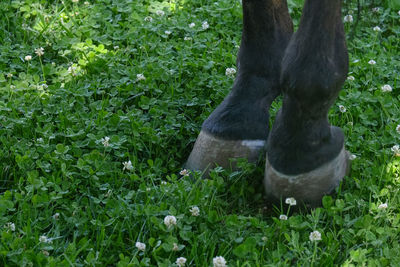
(59, 181)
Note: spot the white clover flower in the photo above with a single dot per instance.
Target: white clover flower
(230, 72)
(398, 128)
(372, 62)
(291, 201)
(39, 51)
(342, 108)
(219, 261)
(383, 206)
(10, 226)
(195, 211)
(148, 19)
(205, 25)
(160, 13)
(167, 32)
(44, 239)
(377, 29)
(386, 88)
(375, 9)
(75, 1)
(12, 86)
(315, 236)
(72, 70)
(187, 38)
(184, 172)
(116, 47)
(351, 78)
(9, 75)
(140, 77)
(264, 238)
(175, 247)
(170, 221)
(163, 182)
(28, 58)
(352, 157)
(181, 261)
(140, 246)
(56, 216)
(192, 25)
(105, 141)
(86, 3)
(396, 150)
(148, 189)
(348, 18)
(283, 217)
(127, 165)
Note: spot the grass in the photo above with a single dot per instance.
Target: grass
(66, 199)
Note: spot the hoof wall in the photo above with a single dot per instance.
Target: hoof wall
(210, 151)
(310, 187)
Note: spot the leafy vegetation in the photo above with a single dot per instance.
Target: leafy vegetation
(94, 129)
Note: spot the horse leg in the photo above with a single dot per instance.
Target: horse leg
(306, 158)
(239, 126)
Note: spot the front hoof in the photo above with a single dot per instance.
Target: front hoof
(310, 187)
(210, 151)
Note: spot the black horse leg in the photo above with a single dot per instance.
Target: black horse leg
(306, 158)
(239, 126)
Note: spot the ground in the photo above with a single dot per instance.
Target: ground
(96, 126)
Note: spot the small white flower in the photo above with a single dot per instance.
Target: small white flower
(398, 128)
(9, 75)
(398, 12)
(12, 86)
(396, 150)
(184, 172)
(148, 19)
(283, 217)
(148, 189)
(372, 62)
(356, 60)
(170, 221)
(192, 25)
(205, 25)
(75, 1)
(72, 70)
(180, 261)
(105, 141)
(351, 78)
(140, 246)
(56, 216)
(39, 51)
(352, 157)
(386, 88)
(291, 201)
(264, 238)
(46, 253)
(342, 108)
(315, 236)
(163, 182)
(230, 72)
(175, 247)
(348, 18)
(160, 13)
(127, 165)
(116, 47)
(187, 38)
(383, 206)
(86, 3)
(167, 32)
(28, 58)
(140, 77)
(39, 140)
(219, 261)
(11, 226)
(44, 239)
(195, 211)
(375, 9)
(377, 29)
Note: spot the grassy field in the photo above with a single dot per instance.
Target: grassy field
(100, 104)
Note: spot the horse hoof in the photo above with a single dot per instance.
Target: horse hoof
(210, 151)
(310, 187)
